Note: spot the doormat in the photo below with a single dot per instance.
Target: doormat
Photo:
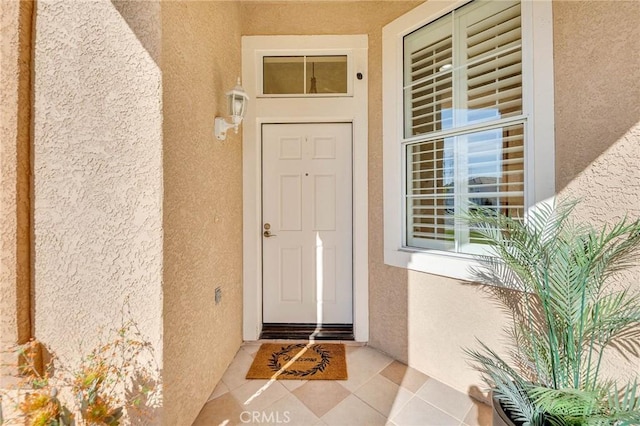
(299, 361)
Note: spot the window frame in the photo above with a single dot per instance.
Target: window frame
(538, 110)
(303, 53)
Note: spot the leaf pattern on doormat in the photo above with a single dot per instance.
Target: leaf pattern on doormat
(325, 359)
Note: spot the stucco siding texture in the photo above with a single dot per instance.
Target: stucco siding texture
(597, 79)
(426, 320)
(97, 165)
(135, 199)
(15, 127)
(202, 203)
(419, 319)
(597, 83)
(388, 301)
(597, 75)
(597, 156)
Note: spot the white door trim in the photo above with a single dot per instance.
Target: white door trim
(352, 109)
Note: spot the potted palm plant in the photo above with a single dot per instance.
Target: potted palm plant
(560, 284)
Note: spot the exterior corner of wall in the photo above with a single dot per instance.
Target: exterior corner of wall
(15, 148)
(202, 203)
(97, 175)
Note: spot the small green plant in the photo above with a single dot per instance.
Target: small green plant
(566, 311)
(115, 379)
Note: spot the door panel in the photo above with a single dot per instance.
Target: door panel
(307, 206)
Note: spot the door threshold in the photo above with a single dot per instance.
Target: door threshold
(287, 331)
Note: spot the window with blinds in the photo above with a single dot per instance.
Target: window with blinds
(464, 125)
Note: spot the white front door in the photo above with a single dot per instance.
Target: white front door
(307, 223)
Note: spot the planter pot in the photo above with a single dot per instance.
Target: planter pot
(500, 418)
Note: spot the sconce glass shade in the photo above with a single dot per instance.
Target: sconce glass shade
(237, 100)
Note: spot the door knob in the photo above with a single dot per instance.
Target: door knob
(267, 233)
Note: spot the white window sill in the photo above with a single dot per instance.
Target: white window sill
(433, 262)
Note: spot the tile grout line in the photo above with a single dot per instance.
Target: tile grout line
(440, 409)
(395, 409)
(388, 417)
(288, 392)
(462, 423)
(381, 376)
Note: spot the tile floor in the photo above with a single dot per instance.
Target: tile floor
(379, 391)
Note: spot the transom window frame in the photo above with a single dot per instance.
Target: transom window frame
(538, 111)
(284, 53)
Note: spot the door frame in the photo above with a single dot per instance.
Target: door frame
(265, 110)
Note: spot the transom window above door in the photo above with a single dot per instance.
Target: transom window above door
(305, 75)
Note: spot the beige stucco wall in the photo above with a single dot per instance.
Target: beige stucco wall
(597, 87)
(598, 106)
(416, 318)
(597, 80)
(423, 319)
(135, 198)
(132, 200)
(15, 127)
(411, 315)
(97, 172)
(203, 203)
(387, 286)
(597, 155)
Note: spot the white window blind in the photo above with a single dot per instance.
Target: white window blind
(428, 78)
(464, 124)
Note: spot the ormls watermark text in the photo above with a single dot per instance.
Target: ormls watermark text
(271, 417)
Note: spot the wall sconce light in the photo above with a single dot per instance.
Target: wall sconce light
(237, 100)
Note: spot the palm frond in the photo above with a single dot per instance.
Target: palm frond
(614, 249)
(624, 403)
(564, 315)
(567, 403)
(506, 384)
